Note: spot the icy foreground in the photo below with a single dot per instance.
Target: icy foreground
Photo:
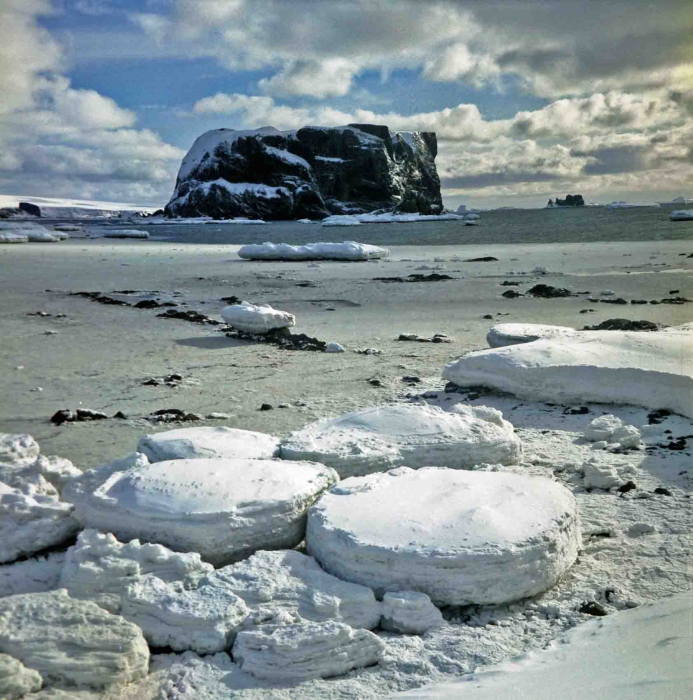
(653, 369)
(252, 318)
(208, 443)
(642, 653)
(71, 641)
(349, 250)
(225, 509)
(382, 437)
(467, 538)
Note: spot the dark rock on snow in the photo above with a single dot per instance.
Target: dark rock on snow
(546, 291)
(623, 324)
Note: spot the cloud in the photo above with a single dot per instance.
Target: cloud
(329, 78)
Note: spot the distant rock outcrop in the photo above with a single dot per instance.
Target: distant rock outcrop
(571, 200)
(309, 173)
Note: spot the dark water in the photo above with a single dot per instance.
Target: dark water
(501, 227)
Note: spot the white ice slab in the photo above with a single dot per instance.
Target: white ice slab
(460, 537)
(225, 509)
(652, 369)
(503, 334)
(209, 443)
(382, 437)
(99, 568)
(348, 250)
(71, 641)
(410, 612)
(260, 318)
(294, 583)
(13, 237)
(126, 233)
(305, 650)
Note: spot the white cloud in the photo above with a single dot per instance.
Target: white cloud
(331, 77)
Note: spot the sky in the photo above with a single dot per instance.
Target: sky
(100, 99)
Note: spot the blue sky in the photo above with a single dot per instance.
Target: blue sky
(529, 100)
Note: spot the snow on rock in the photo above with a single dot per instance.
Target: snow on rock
(204, 620)
(681, 215)
(348, 250)
(652, 369)
(461, 537)
(16, 680)
(503, 334)
(99, 568)
(36, 575)
(32, 522)
(262, 318)
(21, 449)
(126, 233)
(641, 654)
(409, 612)
(381, 437)
(71, 641)
(306, 650)
(225, 509)
(289, 581)
(187, 443)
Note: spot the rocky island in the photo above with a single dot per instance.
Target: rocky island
(308, 173)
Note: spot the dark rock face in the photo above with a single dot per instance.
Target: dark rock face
(309, 173)
(28, 208)
(571, 200)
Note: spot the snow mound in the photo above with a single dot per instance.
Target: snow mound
(30, 522)
(71, 641)
(99, 568)
(126, 233)
(681, 215)
(642, 653)
(209, 443)
(18, 448)
(416, 435)
(225, 509)
(262, 318)
(613, 429)
(348, 250)
(652, 369)
(204, 620)
(294, 583)
(503, 334)
(306, 650)
(16, 680)
(409, 612)
(460, 537)
(36, 575)
(52, 473)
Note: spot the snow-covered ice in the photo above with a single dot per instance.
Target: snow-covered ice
(348, 250)
(409, 612)
(13, 237)
(36, 575)
(503, 334)
(461, 537)
(225, 509)
(305, 650)
(71, 641)
(294, 583)
(204, 620)
(652, 369)
(99, 568)
(16, 680)
(18, 448)
(208, 442)
(260, 318)
(125, 233)
(416, 435)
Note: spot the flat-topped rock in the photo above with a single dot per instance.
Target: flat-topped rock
(30, 523)
(409, 612)
(69, 641)
(16, 680)
(225, 509)
(348, 250)
(416, 435)
(294, 583)
(204, 620)
(252, 318)
(461, 537)
(305, 650)
(652, 369)
(208, 443)
(99, 568)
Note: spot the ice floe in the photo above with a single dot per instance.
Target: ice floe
(294, 583)
(416, 435)
(503, 334)
(409, 612)
(348, 250)
(208, 442)
(126, 233)
(99, 568)
(305, 650)
(260, 318)
(70, 641)
(13, 237)
(681, 215)
(461, 537)
(387, 218)
(35, 575)
(652, 369)
(204, 620)
(16, 680)
(225, 509)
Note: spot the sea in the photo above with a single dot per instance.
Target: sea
(582, 225)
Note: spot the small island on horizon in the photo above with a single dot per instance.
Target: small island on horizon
(571, 200)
